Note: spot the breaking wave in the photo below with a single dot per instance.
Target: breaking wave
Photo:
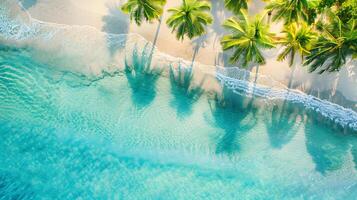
(90, 52)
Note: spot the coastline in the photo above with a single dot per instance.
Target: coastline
(89, 112)
(338, 88)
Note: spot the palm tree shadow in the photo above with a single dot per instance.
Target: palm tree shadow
(142, 78)
(334, 94)
(223, 59)
(197, 44)
(327, 148)
(354, 152)
(115, 22)
(153, 48)
(236, 115)
(26, 4)
(283, 123)
(218, 9)
(220, 14)
(185, 95)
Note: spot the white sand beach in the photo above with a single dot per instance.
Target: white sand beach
(104, 15)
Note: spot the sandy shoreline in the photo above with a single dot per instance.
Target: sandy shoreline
(340, 88)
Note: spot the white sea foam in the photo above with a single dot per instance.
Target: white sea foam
(88, 51)
(346, 118)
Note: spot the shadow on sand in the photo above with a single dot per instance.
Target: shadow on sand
(115, 23)
(197, 44)
(217, 31)
(219, 14)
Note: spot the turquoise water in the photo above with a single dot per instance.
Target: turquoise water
(142, 136)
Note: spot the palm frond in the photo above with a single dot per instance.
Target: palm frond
(289, 11)
(337, 42)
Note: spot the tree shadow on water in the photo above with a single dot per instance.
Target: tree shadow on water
(141, 78)
(285, 119)
(282, 123)
(184, 94)
(236, 115)
(354, 151)
(26, 4)
(327, 148)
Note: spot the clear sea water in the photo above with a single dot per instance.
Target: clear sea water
(142, 136)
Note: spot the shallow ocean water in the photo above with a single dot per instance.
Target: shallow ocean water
(143, 136)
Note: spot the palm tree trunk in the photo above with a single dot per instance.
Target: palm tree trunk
(293, 65)
(269, 17)
(197, 48)
(334, 89)
(291, 80)
(157, 31)
(154, 42)
(255, 79)
(256, 75)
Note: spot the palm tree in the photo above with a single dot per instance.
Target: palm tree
(236, 5)
(289, 10)
(298, 39)
(145, 9)
(248, 38)
(190, 19)
(336, 43)
(140, 10)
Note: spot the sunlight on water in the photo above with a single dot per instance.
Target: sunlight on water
(132, 135)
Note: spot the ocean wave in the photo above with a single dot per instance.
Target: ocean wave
(88, 51)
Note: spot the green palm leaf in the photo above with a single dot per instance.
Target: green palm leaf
(248, 37)
(236, 5)
(289, 10)
(337, 42)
